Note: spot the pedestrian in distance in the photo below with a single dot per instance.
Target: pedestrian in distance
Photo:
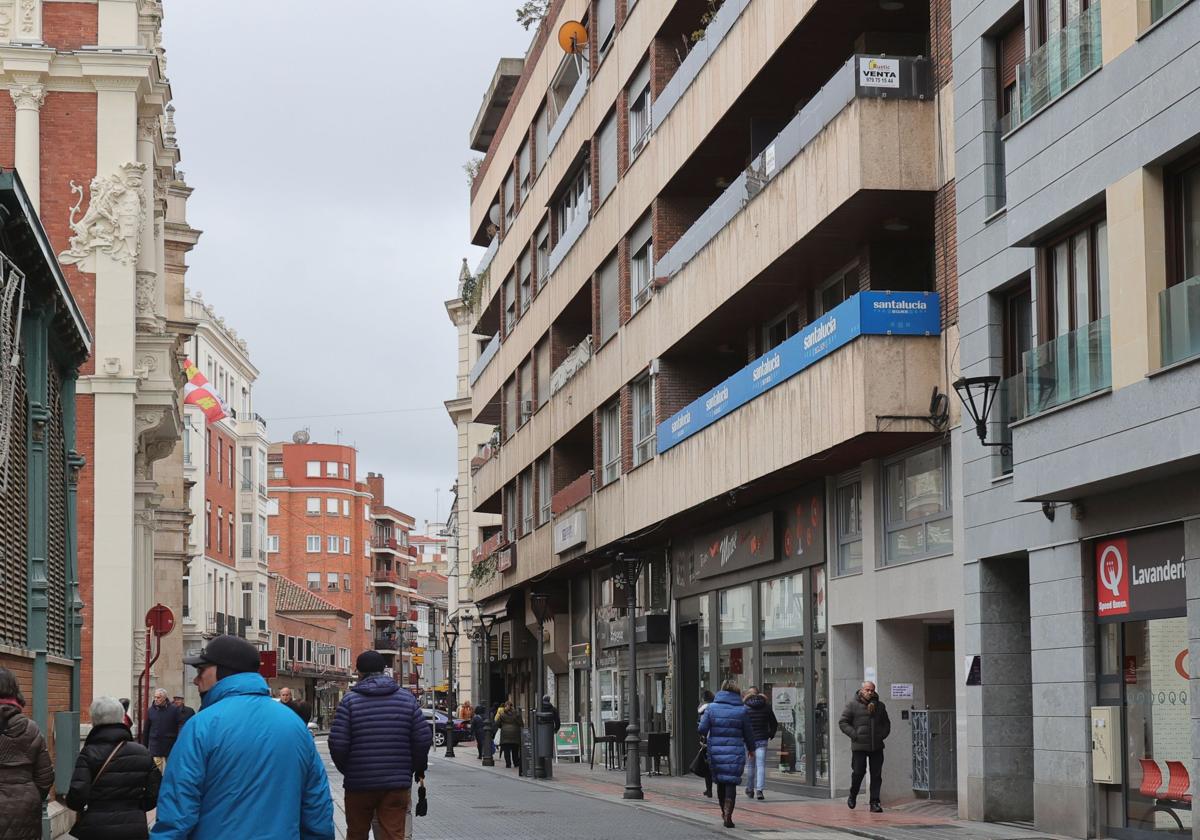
(244, 766)
(185, 711)
(511, 724)
(705, 698)
(549, 708)
(478, 732)
(128, 721)
(298, 706)
(726, 724)
(865, 722)
(115, 781)
(762, 719)
(379, 741)
(25, 770)
(161, 728)
(466, 711)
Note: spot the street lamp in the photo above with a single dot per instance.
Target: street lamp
(486, 622)
(633, 765)
(978, 394)
(450, 634)
(540, 603)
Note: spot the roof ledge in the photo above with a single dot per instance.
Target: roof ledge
(495, 101)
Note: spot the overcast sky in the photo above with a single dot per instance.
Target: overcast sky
(325, 142)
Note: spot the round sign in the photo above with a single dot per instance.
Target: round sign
(160, 620)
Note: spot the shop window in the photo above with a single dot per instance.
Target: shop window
(849, 527)
(917, 506)
(736, 634)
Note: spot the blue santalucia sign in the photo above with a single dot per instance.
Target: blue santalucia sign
(866, 313)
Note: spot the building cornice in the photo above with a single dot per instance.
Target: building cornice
(289, 489)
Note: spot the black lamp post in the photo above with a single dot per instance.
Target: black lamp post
(633, 744)
(978, 395)
(450, 634)
(486, 622)
(540, 603)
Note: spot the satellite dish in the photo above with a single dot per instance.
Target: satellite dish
(301, 437)
(494, 214)
(572, 36)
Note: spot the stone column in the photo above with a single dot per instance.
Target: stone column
(150, 302)
(28, 95)
(1137, 273)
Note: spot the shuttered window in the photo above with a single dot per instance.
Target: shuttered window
(639, 108)
(542, 361)
(606, 21)
(607, 140)
(523, 167)
(609, 305)
(541, 138)
(543, 253)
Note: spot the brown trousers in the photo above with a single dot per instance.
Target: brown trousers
(388, 808)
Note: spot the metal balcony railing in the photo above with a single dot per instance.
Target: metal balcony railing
(1179, 311)
(1069, 367)
(382, 643)
(1059, 64)
(564, 116)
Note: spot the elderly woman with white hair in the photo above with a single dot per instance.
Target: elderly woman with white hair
(115, 780)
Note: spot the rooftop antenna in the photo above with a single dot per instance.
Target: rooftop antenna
(573, 37)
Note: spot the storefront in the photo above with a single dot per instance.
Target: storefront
(1142, 643)
(751, 607)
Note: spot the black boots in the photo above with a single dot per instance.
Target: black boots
(851, 801)
(727, 813)
(876, 808)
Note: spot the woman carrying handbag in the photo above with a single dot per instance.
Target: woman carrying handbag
(700, 764)
(115, 780)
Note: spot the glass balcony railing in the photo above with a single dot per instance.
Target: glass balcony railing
(1069, 367)
(1010, 404)
(1179, 314)
(1059, 64)
(1161, 8)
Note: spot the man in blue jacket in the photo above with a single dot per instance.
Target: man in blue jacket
(380, 741)
(244, 766)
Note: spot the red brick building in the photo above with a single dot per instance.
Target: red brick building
(313, 647)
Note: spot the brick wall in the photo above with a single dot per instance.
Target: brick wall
(673, 215)
(940, 42)
(663, 64)
(626, 429)
(68, 26)
(8, 115)
(58, 691)
(678, 383)
(945, 254)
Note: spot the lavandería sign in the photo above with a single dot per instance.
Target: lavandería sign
(866, 313)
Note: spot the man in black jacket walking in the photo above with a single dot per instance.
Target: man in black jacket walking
(865, 722)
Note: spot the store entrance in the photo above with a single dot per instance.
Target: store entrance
(689, 693)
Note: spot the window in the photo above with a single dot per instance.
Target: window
(332, 542)
(510, 198)
(608, 315)
(643, 420)
(207, 523)
(312, 469)
(610, 441)
(849, 527)
(544, 491)
(524, 267)
(576, 200)
(314, 580)
(1183, 223)
(525, 486)
(542, 240)
(606, 21)
(1053, 15)
(331, 507)
(541, 358)
(220, 526)
(781, 329)
(276, 472)
(541, 138)
(641, 264)
(1075, 269)
(220, 459)
(510, 303)
(606, 143)
(248, 601)
(230, 543)
(836, 289)
(208, 452)
(525, 391)
(273, 543)
(345, 545)
(247, 467)
(262, 606)
(639, 110)
(247, 534)
(331, 581)
(345, 507)
(569, 72)
(187, 598)
(312, 506)
(312, 544)
(510, 512)
(308, 650)
(524, 170)
(917, 504)
(1010, 52)
(231, 467)
(331, 469)
(345, 583)
(510, 408)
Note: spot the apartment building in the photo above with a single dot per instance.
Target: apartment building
(226, 581)
(1077, 127)
(716, 327)
(319, 529)
(389, 568)
(89, 128)
(313, 656)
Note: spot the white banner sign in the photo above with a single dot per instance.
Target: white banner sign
(879, 72)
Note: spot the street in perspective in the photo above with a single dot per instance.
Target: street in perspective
(776, 419)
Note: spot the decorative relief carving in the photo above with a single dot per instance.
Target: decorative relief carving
(28, 16)
(147, 289)
(113, 222)
(28, 97)
(147, 128)
(5, 22)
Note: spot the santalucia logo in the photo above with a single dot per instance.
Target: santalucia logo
(821, 333)
(766, 366)
(900, 305)
(716, 399)
(680, 421)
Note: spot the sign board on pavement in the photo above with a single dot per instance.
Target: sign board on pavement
(567, 743)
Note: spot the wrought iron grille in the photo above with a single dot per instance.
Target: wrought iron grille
(934, 767)
(56, 565)
(14, 588)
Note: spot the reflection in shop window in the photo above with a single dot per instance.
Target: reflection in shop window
(736, 634)
(917, 506)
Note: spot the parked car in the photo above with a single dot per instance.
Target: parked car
(462, 728)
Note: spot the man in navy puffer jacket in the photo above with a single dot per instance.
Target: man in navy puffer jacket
(379, 741)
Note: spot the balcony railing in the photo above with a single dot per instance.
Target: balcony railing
(385, 577)
(1059, 64)
(568, 109)
(385, 644)
(1010, 403)
(913, 81)
(487, 547)
(1179, 311)
(1069, 367)
(1161, 8)
(572, 494)
(388, 610)
(714, 34)
(568, 238)
(488, 256)
(385, 542)
(485, 358)
(571, 365)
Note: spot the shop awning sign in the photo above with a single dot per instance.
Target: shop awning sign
(1141, 574)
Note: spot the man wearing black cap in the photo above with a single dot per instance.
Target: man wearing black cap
(379, 741)
(243, 760)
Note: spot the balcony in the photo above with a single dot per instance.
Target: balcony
(385, 578)
(385, 544)
(383, 644)
(579, 356)
(1068, 368)
(487, 548)
(568, 238)
(913, 82)
(714, 34)
(484, 359)
(487, 451)
(568, 109)
(572, 494)
(385, 612)
(1179, 313)
(1067, 57)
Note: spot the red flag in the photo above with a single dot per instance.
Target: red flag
(199, 392)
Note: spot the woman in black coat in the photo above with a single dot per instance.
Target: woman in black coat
(115, 780)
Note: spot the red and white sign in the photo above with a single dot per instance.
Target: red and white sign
(1112, 577)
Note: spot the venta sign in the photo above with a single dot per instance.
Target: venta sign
(879, 72)
(1141, 574)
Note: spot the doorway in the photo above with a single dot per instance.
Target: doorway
(689, 691)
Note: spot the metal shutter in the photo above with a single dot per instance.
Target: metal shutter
(609, 300)
(608, 156)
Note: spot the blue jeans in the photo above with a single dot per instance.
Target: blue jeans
(757, 772)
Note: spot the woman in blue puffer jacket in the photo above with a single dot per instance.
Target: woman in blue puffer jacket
(730, 737)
